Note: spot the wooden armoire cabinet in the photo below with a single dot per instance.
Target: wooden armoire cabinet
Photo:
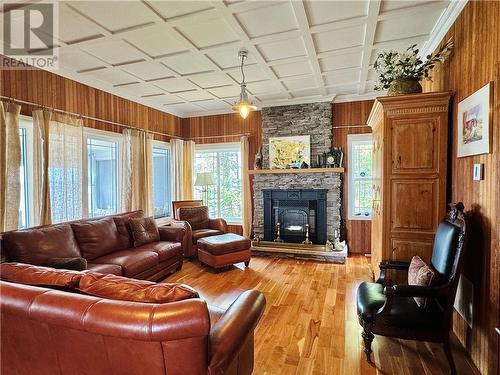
(410, 146)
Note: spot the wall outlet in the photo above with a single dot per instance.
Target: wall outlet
(477, 174)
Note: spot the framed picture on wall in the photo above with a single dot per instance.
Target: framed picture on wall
(473, 121)
(286, 152)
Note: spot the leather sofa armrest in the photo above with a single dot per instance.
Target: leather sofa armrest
(172, 233)
(218, 224)
(230, 333)
(187, 242)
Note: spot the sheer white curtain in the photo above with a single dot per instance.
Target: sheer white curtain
(10, 162)
(58, 167)
(183, 154)
(137, 173)
(245, 188)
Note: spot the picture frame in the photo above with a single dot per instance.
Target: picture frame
(289, 152)
(473, 123)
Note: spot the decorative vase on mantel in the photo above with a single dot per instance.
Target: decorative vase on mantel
(403, 86)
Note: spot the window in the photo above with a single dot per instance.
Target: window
(26, 171)
(102, 173)
(360, 176)
(162, 199)
(224, 162)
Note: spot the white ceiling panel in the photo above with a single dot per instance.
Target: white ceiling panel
(175, 84)
(269, 20)
(321, 12)
(341, 38)
(114, 15)
(283, 49)
(182, 56)
(114, 52)
(346, 60)
(156, 42)
(209, 80)
(293, 69)
(170, 8)
(209, 33)
(188, 63)
(148, 70)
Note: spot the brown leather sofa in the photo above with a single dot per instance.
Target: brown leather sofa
(106, 243)
(56, 332)
(194, 218)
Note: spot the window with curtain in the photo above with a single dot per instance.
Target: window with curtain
(26, 171)
(360, 155)
(162, 191)
(102, 173)
(223, 161)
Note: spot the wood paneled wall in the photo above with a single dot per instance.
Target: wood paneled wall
(475, 62)
(357, 232)
(50, 90)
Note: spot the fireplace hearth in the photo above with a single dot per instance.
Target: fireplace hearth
(298, 214)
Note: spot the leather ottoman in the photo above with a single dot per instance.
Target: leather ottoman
(224, 250)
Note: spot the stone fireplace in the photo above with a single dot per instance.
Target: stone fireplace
(296, 199)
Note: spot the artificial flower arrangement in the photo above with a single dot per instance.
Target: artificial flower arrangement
(400, 72)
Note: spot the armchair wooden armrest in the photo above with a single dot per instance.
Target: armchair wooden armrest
(391, 265)
(414, 291)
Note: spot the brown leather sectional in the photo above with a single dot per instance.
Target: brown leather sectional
(56, 332)
(106, 243)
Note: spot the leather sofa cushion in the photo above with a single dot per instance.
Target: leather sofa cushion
(200, 233)
(420, 274)
(97, 237)
(125, 289)
(369, 298)
(165, 249)
(197, 216)
(132, 261)
(38, 245)
(76, 264)
(144, 230)
(124, 229)
(113, 269)
(37, 275)
(224, 244)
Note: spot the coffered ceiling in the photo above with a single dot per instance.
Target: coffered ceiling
(181, 57)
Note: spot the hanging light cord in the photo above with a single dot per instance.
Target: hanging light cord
(242, 72)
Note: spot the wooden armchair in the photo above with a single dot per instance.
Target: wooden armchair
(391, 310)
(193, 216)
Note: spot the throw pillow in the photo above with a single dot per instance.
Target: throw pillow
(420, 274)
(77, 264)
(144, 230)
(125, 289)
(37, 275)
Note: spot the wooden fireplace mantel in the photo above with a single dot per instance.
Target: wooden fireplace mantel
(294, 171)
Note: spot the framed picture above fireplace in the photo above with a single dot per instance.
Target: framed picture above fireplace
(289, 152)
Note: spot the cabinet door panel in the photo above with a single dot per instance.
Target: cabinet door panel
(405, 249)
(414, 205)
(415, 147)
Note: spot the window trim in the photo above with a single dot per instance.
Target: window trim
(351, 139)
(103, 136)
(165, 146)
(28, 125)
(218, 147)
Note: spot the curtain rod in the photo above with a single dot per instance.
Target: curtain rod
(119, 124)
(350, 126)
(89, 117)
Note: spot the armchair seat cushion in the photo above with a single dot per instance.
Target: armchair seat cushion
(406, 315)
(132, 262)
(369, 299)
(200, 233)
(165, 249)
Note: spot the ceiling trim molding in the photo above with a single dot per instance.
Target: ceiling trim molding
(442, 26)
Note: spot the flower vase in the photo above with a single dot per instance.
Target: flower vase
(403, 86)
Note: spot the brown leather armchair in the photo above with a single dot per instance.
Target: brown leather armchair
(390, 310)
(193, 216)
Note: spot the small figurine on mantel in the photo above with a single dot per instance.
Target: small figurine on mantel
(257, 164)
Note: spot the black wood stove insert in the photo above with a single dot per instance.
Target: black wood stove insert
(292, 210)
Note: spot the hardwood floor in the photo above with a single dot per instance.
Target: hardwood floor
(310, 324)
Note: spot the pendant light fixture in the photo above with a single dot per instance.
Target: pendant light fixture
(243, 106)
